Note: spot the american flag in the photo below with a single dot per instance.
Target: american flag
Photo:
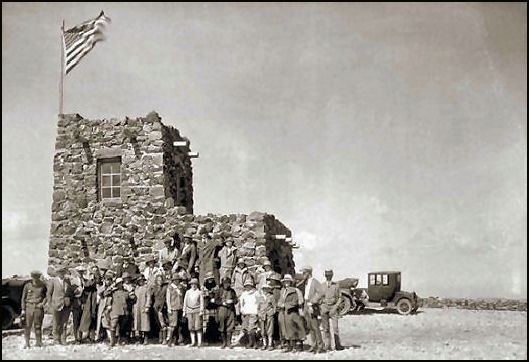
(79, 40)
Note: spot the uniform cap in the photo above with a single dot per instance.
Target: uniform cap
(35, 274)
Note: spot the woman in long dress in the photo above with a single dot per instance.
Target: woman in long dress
(142, 323)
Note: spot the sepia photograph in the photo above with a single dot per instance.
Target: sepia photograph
(274, 181)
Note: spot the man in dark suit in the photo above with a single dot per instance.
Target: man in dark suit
(59, 299)
(312, 292)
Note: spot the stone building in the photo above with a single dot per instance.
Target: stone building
(121, 187)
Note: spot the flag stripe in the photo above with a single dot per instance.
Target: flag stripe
(81, 39)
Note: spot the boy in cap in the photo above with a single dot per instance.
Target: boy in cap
(226, 299)
(175, 305)
(249, 301)
(193, 310)
(119, 312)
(32, 305)
(267, 311)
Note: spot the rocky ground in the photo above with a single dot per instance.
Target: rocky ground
(432, 334)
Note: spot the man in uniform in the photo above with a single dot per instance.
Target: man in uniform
(330, 300)
(32, 304)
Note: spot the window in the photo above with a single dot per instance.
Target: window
(379, 279)
(371, 279)
(109, 178)
(385, 279)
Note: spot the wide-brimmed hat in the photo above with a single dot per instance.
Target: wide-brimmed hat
(194, 281)
(288, 278)
(250, 282)
(307, 268)
(268, 286)
(328, 272)
(126, 275)
(209, 275)
(275, 276)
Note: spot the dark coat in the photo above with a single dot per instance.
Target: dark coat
(89, 305)
(291, 322)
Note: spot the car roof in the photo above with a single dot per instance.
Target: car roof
(385, 272)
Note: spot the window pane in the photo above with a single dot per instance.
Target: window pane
(115, 167)
(106, 180)
(105, 168)
(105, 192)
(385, 279)
(372, 279)
(116, 180)
(379, 279)
(116, 192)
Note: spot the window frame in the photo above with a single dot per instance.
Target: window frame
(100, 164)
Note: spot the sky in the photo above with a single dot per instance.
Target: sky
(385, 136)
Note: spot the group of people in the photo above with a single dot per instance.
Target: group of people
(183, 298)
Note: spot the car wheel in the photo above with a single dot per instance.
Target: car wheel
(8, 316)
(344, 307)
(404, 306)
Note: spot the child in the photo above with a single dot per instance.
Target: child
(267, 311)
(249, 301)
(193, 310)
(175, 303)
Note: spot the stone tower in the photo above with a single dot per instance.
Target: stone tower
(121, 187)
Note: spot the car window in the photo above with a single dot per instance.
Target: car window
(379, 279)
(385, 279)
(371, 279)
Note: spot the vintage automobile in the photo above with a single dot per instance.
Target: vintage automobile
(11, 298)
(383, 292)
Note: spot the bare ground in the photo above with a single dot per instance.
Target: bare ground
(431, 334)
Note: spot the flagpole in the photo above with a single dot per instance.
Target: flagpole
(61, 84)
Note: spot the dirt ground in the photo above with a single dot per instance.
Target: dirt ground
(431, 334)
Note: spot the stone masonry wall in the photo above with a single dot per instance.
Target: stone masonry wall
(84, 228)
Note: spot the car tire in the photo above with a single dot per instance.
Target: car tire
(345, 306)
(8, 316)
(404, 306)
